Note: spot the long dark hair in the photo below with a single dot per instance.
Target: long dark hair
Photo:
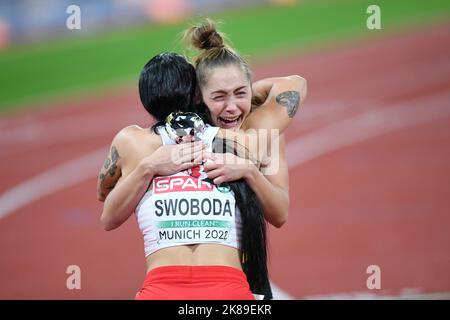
(253, 236)
(254, 242)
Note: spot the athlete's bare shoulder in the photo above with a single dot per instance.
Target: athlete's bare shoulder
(128, 147)
(135, 143)
(133, 137)
(131, 131)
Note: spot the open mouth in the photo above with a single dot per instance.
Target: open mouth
(229, 122)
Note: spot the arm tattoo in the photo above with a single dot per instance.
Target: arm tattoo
(290, 100)
(115, 157)
(109, 169)
(114, 154)
(107, 163)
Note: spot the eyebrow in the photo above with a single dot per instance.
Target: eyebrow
(223, 91)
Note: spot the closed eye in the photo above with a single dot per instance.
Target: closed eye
(241, 91)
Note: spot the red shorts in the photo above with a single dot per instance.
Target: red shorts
(195, 283)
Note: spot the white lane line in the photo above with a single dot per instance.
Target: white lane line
(299, 151)
(51, 181)
(405, 294)
(279, 294)
(48, 133)
(365, 126)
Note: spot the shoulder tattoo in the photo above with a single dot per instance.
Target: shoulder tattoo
(290, 100)
(110, 165)
(114, 158)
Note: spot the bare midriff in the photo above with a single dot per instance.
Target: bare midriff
(195, 255)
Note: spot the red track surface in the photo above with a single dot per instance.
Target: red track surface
(376, 131)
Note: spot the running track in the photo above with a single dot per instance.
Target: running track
(369, 162)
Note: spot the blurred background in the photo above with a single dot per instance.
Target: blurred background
(368, 153)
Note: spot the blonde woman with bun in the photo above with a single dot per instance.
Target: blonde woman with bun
(234, 102)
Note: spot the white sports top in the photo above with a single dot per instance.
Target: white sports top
(182, 209)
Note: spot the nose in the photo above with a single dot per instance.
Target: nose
(231, 107)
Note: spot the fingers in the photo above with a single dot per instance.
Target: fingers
(218, 176)
(208, 166)
(195, 145)
(187, 152)
(186, 149)
(187, 165)
(198, 160)
(215, 173)
(209, 156)
(197, 157)
(218, 181)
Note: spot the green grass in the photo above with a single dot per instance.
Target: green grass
(30, 73)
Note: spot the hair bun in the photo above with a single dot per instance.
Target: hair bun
(205, 36)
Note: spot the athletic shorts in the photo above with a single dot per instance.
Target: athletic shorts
(195, 283)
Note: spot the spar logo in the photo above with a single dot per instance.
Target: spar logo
(180, 183)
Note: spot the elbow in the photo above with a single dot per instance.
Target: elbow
(108, 227)
(107, 223)
(278, 223)
(304, 89)
(298, 80)
(301, 85)
(280, 219)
